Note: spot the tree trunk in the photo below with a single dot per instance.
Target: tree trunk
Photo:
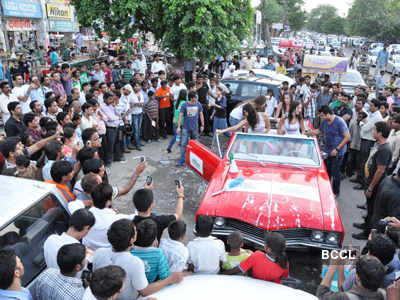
(265, 30)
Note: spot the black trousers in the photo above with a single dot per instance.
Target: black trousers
(113, 149)
(165, 122)
(370, 208)
(365, 148)
(352, 164)
(207, 122)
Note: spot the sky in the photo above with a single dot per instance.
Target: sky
(341, 5)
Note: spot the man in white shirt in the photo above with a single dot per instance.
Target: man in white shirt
(5, 97)
(367, 138)
(248, 62)
(205, 252)
(230, 72)
(141, 64)
(157, 65)
(177, 87)
(105, 215)
(22, 92)
(258, 64)
(136, 103)
(79, 225)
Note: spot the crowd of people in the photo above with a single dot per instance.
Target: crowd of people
(67, 127)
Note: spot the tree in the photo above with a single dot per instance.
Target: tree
(296, 15)
(205, 28)
(320, 15)
(188, 28)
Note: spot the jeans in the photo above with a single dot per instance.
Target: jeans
(333, 165)
(186, 136)
(173, 140)
(220, 123)
(137, 127)
(233, 121)
(112, 150)
(165, 120)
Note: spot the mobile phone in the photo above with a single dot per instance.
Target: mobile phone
(149, 180)
(178, 183)
(142, 159)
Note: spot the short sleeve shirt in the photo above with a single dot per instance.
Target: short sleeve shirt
(380, 155)
(165, 102)
(264, 268)
(334, 134)
(191, 115)
(134, 267)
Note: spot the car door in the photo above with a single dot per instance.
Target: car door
(201, 159)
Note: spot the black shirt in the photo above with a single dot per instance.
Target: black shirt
(14, 127)
(162, 222)
(202, 93)
(380, 155)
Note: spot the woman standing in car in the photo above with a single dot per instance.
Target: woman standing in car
(283, 106)
(292, 124)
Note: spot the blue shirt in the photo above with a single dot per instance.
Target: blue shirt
(269, 67)
(191, 115)
(334, 134)
(24, 294)
(383, 57)
(38, 94)
(155, 264)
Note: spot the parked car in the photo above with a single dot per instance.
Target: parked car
(268, 74)
(372, 56)
(246, 88)
(30, 213)
(228, 287)
(281, 185)
(349, 80)
(393, 65)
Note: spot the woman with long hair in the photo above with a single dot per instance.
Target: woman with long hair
(283, 106)
(177, 109)
(292, 124)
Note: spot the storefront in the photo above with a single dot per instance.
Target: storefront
(22, 21)
(61, 21)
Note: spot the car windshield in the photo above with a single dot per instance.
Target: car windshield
(296, 151)
(348, 77)
(27, 233)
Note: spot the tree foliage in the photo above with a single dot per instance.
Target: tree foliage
(188, 28)
(325, 19)
(297, 16)
(376, 19)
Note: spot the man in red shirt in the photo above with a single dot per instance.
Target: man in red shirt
(163, 95)
(270, 266)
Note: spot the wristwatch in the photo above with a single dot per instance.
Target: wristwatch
(337, 150)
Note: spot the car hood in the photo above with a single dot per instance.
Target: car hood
(273, 197)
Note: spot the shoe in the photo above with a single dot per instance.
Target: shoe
(149, 141)
(130, 147)
(180, 163)
(158, 140)
(169, 150)
(361, 226)
(358, 187)
(138, 148)
(360, 236)
(362, 206)
(356, 180)
(127, 151)
(141, 145)
(164, 137)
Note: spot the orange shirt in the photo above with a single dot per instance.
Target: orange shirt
(68, 196)
(164, 102)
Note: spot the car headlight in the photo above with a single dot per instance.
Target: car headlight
(333, 238)
(317, 236)
(219, 222)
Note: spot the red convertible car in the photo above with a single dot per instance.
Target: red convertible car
(276, 183)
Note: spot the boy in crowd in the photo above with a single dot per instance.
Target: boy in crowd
(145, 249)
(175, 251)
(107, 283)
(236, 254)
(205, 252)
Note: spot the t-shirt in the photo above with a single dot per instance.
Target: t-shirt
(191, 115)
(264, 267)
(380, 155)
(333, 134)
(126, 74)
(165, 102)
(51, 246)
(234, 261)
(162, 222)
(176, 254)
(206, 253)
(155, 263)
(177, 112)
(134, 267)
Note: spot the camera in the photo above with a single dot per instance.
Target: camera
(381, 228)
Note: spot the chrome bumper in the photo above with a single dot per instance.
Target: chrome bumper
(299, 244)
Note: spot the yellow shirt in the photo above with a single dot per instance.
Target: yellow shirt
(281, 70)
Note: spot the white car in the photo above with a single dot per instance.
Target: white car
(393, 65)
(269, 74)
(372, 56)
(200, 287)
(349, 81)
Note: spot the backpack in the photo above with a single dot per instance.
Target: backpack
(352, 296)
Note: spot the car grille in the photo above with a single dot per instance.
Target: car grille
(297, 233)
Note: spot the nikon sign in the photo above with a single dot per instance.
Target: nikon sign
(58, 11)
